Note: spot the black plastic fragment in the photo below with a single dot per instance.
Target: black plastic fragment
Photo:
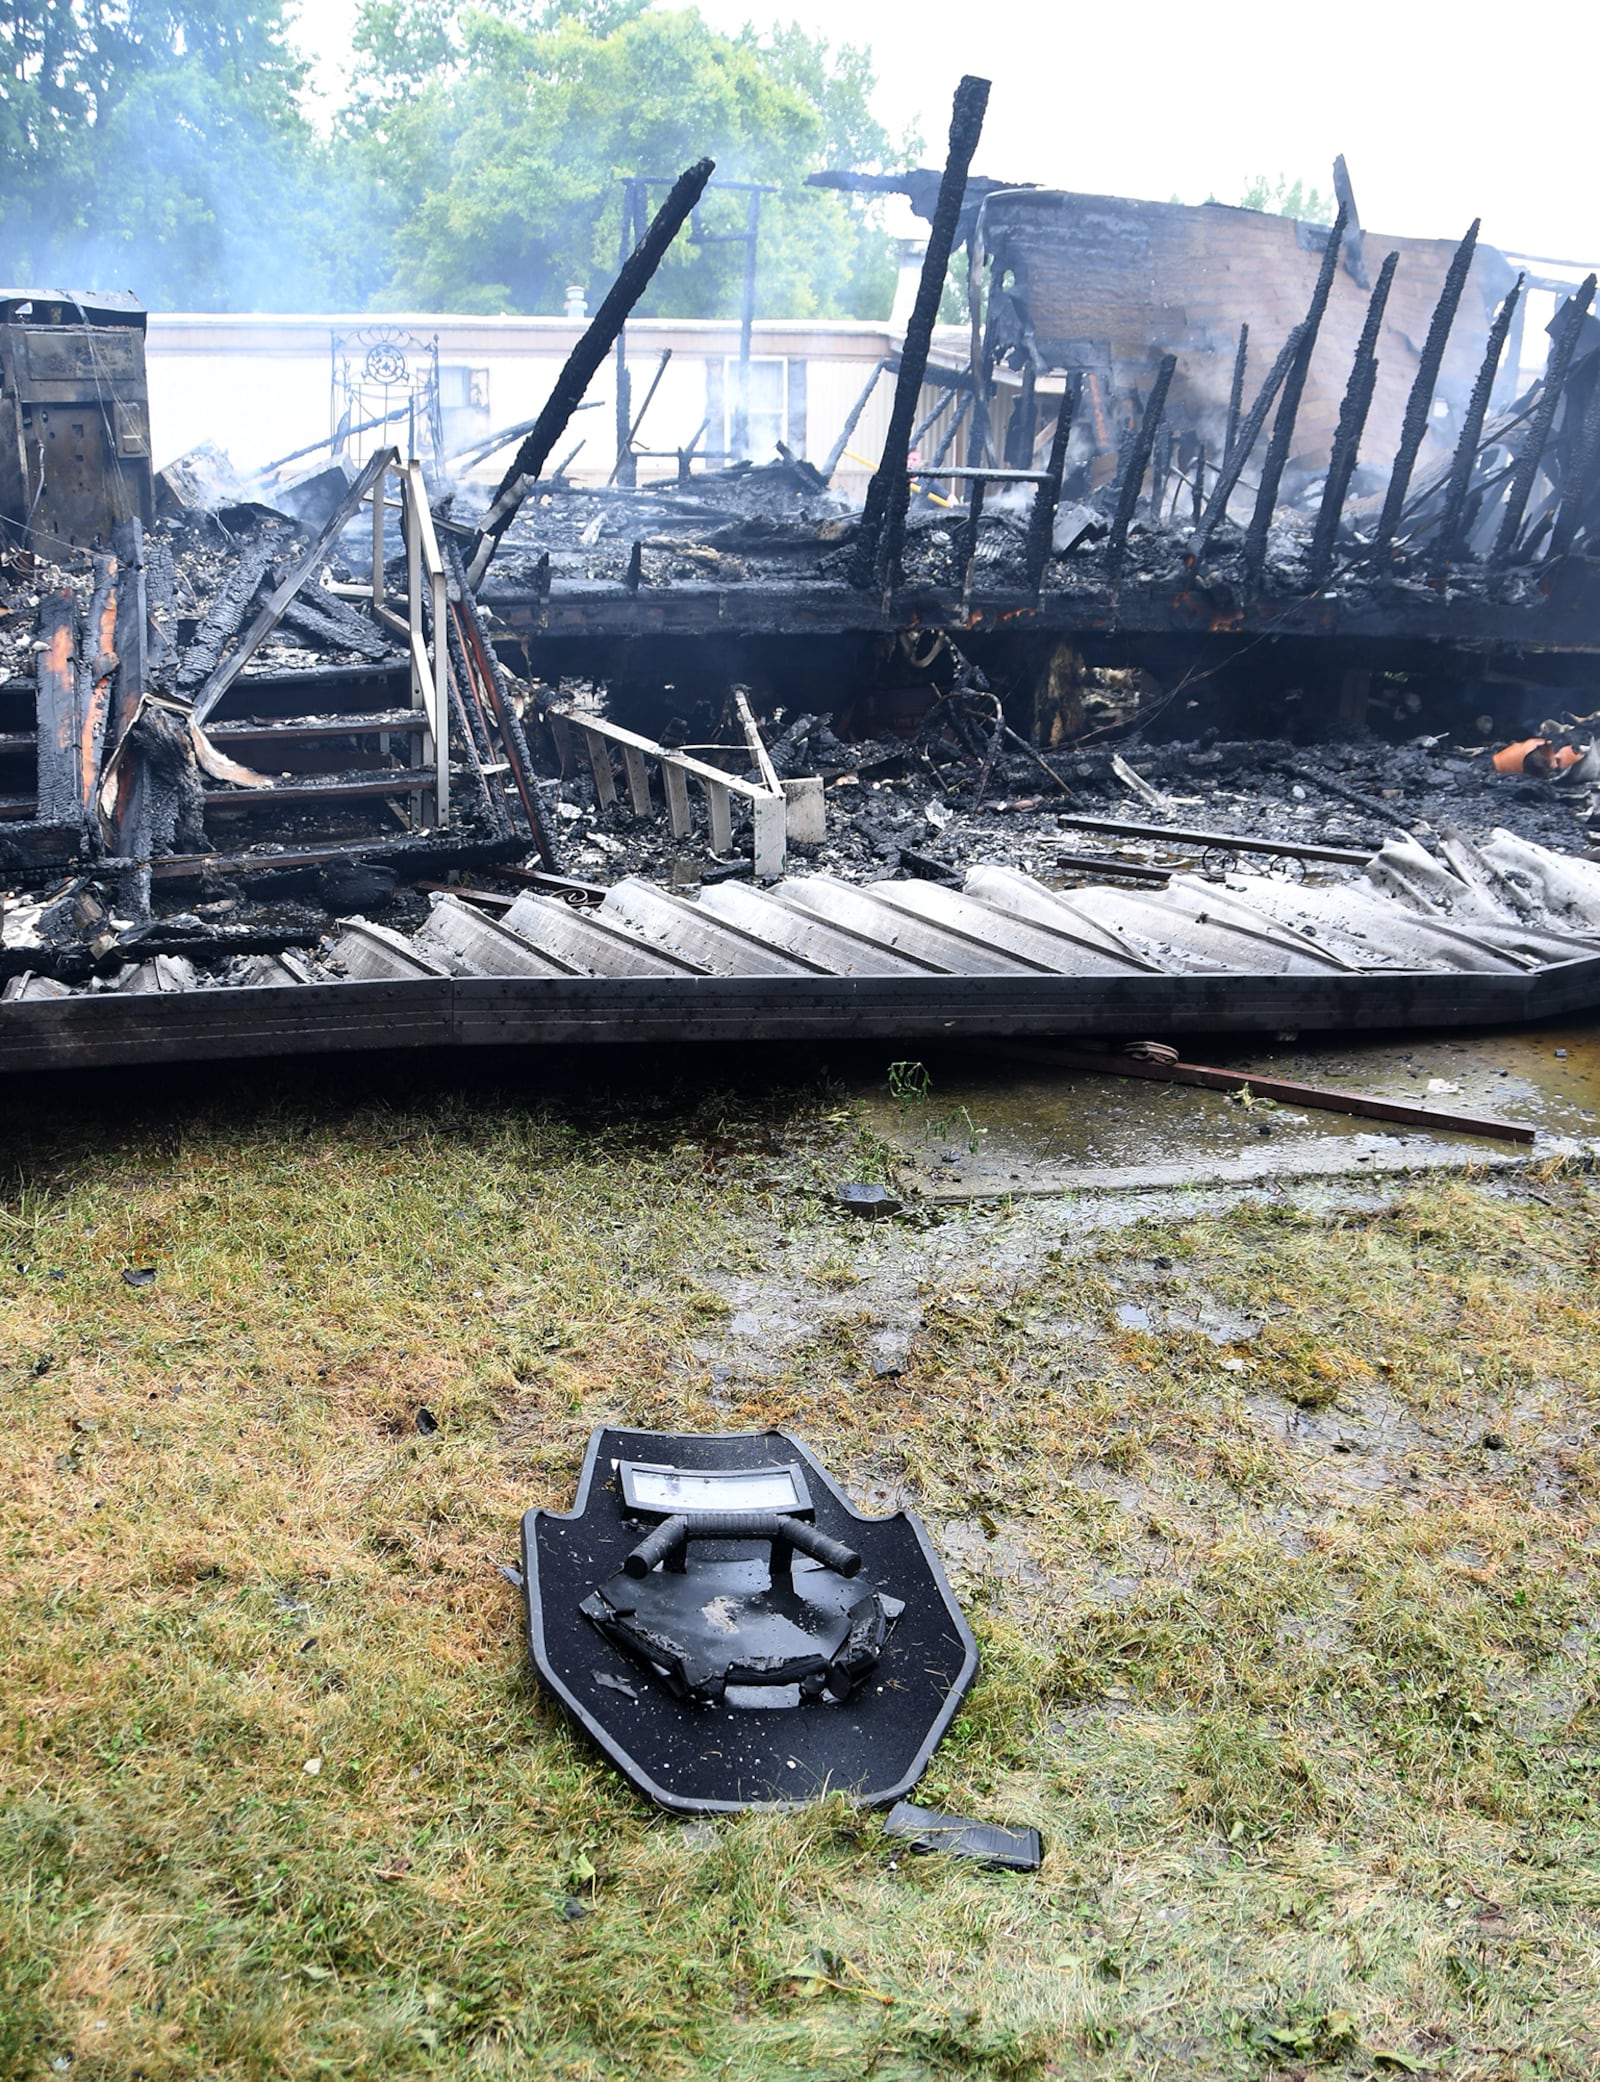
(985, 1843)
(741, 1670)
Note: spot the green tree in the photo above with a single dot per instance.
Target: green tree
(1281, 199)
(159, 145)
(498, 138)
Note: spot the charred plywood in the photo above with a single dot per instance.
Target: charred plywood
(1109, 286)
(74, 417)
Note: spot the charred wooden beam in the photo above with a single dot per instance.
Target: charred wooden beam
(1579, 480)
(99, 671)
(1255, 544)
(223, 619)
(492, 676)
(308, 562)
(1448, 545)
(1418, 405)
(633, 279)
(59, 796)
(131, 818)
(1236, 393)
(851, 418)
(1138, 460)
(1249, 434)
(883, 515)
(1353, 412)
(1533, 446)
(1042, 521)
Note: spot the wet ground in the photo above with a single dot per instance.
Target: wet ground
(994, 1127)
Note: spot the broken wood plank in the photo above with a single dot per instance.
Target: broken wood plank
(221, 621)
(304, 566)
(1232, 842)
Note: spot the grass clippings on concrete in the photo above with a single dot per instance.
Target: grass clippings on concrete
(1277, 1529)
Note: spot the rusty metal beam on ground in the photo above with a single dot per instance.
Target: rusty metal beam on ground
(633, 278)
(883, 515)
(1282, 1090)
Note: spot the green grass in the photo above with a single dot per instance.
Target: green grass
(1310, 1733)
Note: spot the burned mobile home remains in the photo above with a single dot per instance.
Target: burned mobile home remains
(1209, 524)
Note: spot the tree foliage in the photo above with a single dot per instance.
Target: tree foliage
(162, 145)
(1283, 198)
(502, 137)
(159, 145)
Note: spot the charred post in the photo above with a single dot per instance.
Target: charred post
(1448, 545)
(1041, 522)
(632, 281)
(1236, 393)
(1138, 461)
(1352, 424)
(1249, 434)
(59, 795)
(883, 514)
(1255, 546)
(1527, 464)
(1418, 405)
(1578, 481)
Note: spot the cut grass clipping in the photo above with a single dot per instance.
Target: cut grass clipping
(1288, 1634)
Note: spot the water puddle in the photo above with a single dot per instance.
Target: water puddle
(987, 1127)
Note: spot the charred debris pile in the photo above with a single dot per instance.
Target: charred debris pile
(1129, 634)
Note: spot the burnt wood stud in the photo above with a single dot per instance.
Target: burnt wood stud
(1255, 545)
(1352, 424)
(1236, 393)
(1578, 482)
(1042, 521)
(1415, 424)
(1562, 349)
(883, 514)
(1137, 463)
(578, 372)
(1447, 544)
(1249, 434)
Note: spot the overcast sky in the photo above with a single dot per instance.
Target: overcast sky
(1443, 112)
